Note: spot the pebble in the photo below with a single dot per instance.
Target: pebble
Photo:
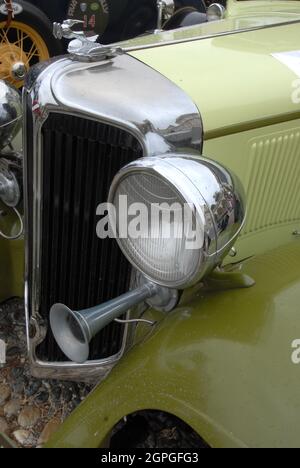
(46, 385)
(25, 410)
(48, 430)
(74, 403)
(42, 397)
(73, 387)
(12, 408)
(17, 387)
(16, 372)
(67, 395)
(3, 426)
(32, 388)
(4, 393)
(13, 351)
(23, 437)
(56, 393)
(28, 416)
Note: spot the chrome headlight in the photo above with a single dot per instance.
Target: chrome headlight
(10, 113)
(176, 217)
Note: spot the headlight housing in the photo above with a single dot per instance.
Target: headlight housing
(10, 113)
(188, 213)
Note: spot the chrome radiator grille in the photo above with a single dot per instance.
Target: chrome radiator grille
(79, 160)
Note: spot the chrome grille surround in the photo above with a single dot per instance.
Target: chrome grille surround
(115, 92)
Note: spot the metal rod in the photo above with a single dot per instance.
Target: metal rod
(100, 316)
(160, 6)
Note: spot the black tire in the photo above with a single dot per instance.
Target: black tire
(155, 430)
(36, 19)
(186, 16)
(139, 17)
(199, 5)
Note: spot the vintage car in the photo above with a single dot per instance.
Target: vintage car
(203, 338)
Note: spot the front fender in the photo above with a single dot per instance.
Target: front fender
(220, 362)
(11, 259)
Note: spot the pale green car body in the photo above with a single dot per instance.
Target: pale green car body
(222, 360)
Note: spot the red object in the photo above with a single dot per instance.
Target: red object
(10, 12)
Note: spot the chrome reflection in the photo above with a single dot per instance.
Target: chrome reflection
(10, 113)
(169, 122)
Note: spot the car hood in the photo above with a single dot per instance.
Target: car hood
(233, 78)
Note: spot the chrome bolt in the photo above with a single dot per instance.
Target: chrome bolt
(19, 71)
(233, 252)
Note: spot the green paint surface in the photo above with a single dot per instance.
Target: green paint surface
(221, 361)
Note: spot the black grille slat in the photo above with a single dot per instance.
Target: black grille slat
(79, 160)
(89, 217)
(75, 235)
(68, 194)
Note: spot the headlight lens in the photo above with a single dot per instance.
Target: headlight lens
(176, 217)
(163, 257)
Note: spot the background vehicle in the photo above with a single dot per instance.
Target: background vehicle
(117, 20)
(26, 41)
(29, 38)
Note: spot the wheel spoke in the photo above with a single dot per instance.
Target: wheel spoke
(33, 47)
(20, 41)
(19, 44)
(3, 37)
(18, 35)
(34, 53)
(5, 32)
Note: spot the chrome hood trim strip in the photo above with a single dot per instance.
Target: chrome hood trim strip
(206, 36)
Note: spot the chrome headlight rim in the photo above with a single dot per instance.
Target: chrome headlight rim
(147, 166)
(209, 256)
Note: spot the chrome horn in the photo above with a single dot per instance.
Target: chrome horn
(73, 330)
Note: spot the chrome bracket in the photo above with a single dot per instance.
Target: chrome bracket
(165, 10)
(10, 193)
(82, 47)
(2, 353)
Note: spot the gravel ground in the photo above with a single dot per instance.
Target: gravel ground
(30, 409)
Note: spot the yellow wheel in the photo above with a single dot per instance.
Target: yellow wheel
(21, 46)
